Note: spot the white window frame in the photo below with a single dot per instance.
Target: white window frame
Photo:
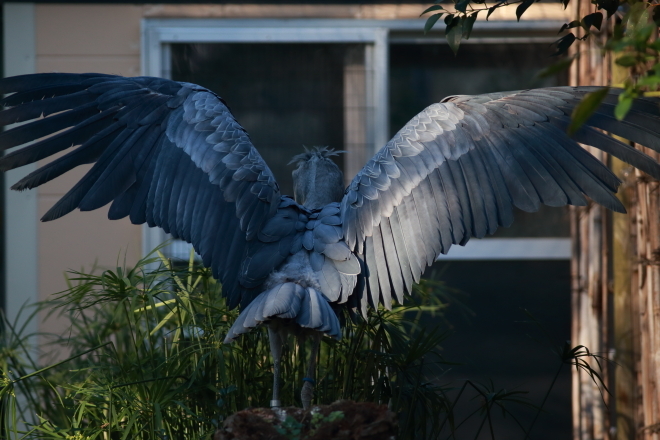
(21, 208)
(158, 34)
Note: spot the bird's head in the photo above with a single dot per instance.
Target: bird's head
(317, 180)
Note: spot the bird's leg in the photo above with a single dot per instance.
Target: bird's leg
(309, 380)
(275, 338)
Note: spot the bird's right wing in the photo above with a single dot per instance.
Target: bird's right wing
(166, 153)
(458, 169)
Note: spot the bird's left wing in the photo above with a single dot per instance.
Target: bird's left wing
(166, 153)
(458, 169)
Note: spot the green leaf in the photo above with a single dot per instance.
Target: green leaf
(585, 108)
(643, 33)
(520, 10)
(628, 60)
(432, 8)
(555, 68)
(636, 16)
(462, 5)
(595, 20)
(649, 81)
(571, 25)
(469, 23)
(623, 106)
(563, 44)
(617, 32)
(493, 8)
(335, 415)
(430, 22)
(609, 5)
(454, 33)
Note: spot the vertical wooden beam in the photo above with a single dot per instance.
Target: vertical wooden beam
(616, 291)
(592, 297)
(646, 291)
(638, 412)
(624, 329)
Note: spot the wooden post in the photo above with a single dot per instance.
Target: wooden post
(616, 291)
(625, 333)
(646, 292)
(594, 414)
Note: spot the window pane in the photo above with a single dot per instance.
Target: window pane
(499, 341)
(422, 74)
(285, 95)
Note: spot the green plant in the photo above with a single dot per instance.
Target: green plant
(147, 362)
(318, 419)
(631, 40)
(290, 428)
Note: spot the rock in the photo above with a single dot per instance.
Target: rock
(342, 420)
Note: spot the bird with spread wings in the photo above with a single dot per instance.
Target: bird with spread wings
(172, 155)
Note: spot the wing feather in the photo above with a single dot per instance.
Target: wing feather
(401, 249)
(426, 227)
(488, 190)
(476, 207)
(454, 181)
(441, 205)
(392, 259)
(166, 153)
(373, 287)
(518, 181)
(410, 232)
(458, 169)
(382, 273)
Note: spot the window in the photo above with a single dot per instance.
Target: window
(288, 86)
(285, 95)
(422, 74)
(497, 275)
(351, 85)
(240, 60)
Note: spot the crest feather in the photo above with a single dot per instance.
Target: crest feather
(321, 152)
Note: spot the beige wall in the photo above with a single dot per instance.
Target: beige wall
(80, 38)
(543, 11)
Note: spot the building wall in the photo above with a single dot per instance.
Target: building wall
(83, 38)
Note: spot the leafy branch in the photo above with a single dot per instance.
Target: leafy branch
(631, 28)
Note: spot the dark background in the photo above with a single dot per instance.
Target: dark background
(497, 344)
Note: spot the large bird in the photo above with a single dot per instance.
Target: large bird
(172, 155)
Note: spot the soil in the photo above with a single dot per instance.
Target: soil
(355, 421)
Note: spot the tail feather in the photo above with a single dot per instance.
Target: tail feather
(306, 306)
